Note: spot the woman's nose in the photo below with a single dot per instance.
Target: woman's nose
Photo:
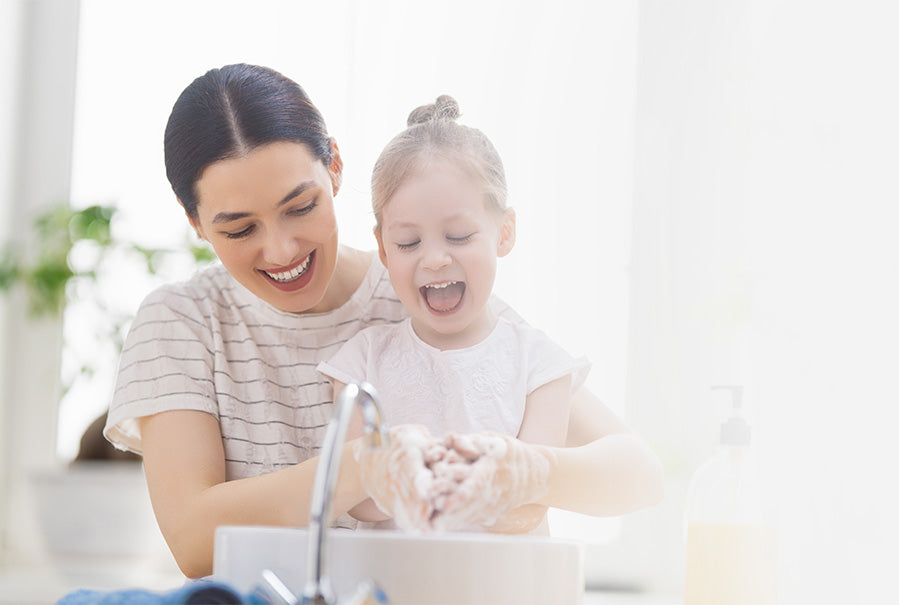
(280, 247)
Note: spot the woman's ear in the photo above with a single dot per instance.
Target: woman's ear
(335, 170)
(195, 223)
(506, 233)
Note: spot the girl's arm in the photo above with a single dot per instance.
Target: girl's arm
(185, 467)
(545, 422)
(546, 412)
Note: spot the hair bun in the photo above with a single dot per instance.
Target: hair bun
(444, 108)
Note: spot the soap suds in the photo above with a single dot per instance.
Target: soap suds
(455, 483)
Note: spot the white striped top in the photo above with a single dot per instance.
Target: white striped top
(209, 344)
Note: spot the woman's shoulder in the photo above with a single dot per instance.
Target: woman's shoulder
(208, 288)
(374, 300)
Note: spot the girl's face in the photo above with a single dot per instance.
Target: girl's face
(269, 216)
(439, 242)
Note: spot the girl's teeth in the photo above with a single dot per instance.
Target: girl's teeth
(438, 286)
(292, 274)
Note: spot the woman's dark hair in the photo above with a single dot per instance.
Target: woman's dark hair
(230, 111)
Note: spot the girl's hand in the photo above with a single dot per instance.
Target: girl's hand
(507, 477)
(458, 482)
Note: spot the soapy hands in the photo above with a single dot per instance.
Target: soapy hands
(454, 483)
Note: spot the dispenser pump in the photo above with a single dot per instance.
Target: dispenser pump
(735, 430)
(731, 543)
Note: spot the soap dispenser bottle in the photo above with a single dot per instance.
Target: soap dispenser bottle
(730, 542)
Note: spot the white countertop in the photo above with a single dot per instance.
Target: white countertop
(44, 586)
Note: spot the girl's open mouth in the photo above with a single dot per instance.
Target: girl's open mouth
(443, 297)
(293, 278)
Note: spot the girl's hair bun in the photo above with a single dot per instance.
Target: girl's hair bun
(444, 108)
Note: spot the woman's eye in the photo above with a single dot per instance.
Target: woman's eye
(239, 234)
(459, 240)
(304, 209)
(407, 246)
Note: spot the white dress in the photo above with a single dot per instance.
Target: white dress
(479, 388)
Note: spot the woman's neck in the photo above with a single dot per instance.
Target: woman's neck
(351, 268)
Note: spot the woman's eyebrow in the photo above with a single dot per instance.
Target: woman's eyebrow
(297, 191)
(226, 217)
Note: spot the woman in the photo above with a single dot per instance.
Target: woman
(217, 385)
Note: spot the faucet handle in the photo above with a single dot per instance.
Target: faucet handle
(273, 591)
(367, 593)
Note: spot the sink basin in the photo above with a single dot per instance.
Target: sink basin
(451, 569)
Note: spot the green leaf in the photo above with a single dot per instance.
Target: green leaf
(92, 223)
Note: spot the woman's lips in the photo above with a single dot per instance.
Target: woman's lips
(292, 278)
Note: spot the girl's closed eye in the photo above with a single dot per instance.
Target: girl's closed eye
(407, 245)
(459, 239)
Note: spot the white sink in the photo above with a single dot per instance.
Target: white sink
(451, 569)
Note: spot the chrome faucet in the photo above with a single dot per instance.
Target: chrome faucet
(318, 590)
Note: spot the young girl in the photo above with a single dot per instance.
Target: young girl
(457, 364)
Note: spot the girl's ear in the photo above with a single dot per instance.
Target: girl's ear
(506, 233)
(335, 170)
(382, 253)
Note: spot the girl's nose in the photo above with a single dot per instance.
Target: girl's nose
(435, 257)
(280, 247)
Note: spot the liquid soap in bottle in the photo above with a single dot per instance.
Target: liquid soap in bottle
(731, 544)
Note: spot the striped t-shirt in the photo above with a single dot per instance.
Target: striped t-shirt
(209, 344)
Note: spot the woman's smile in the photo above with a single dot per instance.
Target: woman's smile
(293, 277)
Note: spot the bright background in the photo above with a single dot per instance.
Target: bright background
(706, 195)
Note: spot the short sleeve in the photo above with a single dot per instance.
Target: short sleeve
(548, 361)
(350, 362)
(167, 363)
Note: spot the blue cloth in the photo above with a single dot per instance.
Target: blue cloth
(199, 592)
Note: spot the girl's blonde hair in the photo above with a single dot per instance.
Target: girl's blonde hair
(432, 133)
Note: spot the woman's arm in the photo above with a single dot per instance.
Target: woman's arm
(613, 473)
(366, 510)
(185, 467)
(606, 468)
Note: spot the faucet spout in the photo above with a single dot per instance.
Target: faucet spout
(318, 589)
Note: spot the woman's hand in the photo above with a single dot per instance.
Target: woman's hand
(396, 478)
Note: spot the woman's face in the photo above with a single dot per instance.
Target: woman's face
(269, 216)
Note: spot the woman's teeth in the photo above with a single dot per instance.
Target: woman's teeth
(291, 275)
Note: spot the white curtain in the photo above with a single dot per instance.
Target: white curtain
(765, 255)
(705, 195)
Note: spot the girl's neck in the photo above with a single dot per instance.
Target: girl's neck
(474, 333)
